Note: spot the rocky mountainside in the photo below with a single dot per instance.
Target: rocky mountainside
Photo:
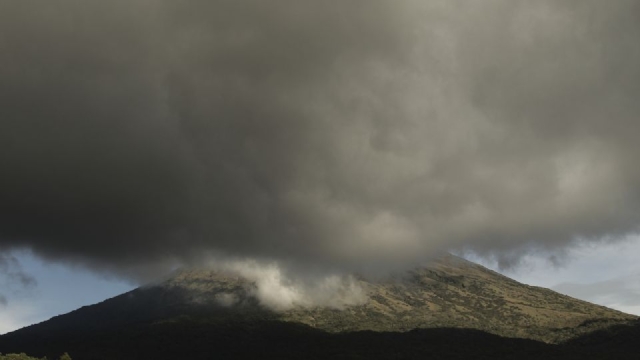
(448, 292)
(207, 311)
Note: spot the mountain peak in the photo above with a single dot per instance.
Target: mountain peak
(446, 292)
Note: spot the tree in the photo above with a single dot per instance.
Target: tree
(21, 356)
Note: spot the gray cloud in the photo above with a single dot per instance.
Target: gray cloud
(3, 301)
(137, 134)
(12, 274)
(619, 292)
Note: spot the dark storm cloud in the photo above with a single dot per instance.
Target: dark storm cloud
(137, 133)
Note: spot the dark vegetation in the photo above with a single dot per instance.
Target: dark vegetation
(23, 356)
(187, 338)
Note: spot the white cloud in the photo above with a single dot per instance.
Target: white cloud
(279, 289)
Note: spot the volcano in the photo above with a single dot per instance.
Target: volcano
(448, 308)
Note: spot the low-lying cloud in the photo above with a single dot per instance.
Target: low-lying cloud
(279, 288)
(136, 135)
(275, 284)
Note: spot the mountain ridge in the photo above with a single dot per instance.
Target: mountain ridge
(447, 293)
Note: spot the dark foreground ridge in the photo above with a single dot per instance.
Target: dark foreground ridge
(200, 339)
(449, 309)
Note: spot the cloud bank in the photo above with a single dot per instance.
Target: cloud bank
(136, 135)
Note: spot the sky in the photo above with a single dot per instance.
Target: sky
(324, 137)
(603, 273)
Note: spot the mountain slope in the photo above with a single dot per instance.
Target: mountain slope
(452, 294)
(448, 292)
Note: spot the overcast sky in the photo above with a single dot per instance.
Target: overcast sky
(137, 136)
